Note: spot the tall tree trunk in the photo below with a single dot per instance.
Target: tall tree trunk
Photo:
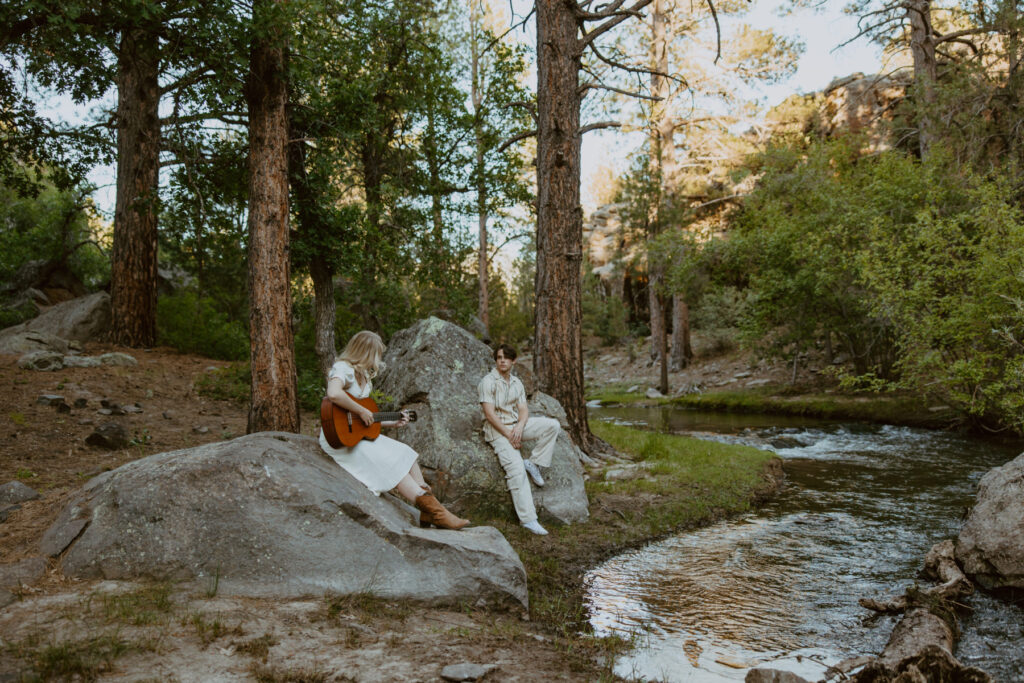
(133, 261)
(662, 151)
(324, 313)
(558, 345)
(682, 351)
(476, 95)
(922, 48)
(274, 393)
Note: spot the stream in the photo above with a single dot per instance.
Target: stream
(861, 507)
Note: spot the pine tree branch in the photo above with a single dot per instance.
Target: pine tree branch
(597, 126)
(598, 86)
(620, 16)
(514, 139)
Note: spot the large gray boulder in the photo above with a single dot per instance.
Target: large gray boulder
(434, 367)
(990, 547)
(269, 515)
(86, 318)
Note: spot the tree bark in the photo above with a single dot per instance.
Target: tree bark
(682, 351)
(274, 391)
(324, 313)
(558, 344)
(134, 257)
(922, 48)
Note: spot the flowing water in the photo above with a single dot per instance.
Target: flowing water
(862, 506)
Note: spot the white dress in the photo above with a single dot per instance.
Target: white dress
(381, 463)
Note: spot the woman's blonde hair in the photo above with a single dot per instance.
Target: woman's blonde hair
(363, 352)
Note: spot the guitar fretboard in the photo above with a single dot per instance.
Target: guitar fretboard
(387, 417)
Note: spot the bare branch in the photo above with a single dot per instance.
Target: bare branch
(939, 39)
(590, 36)
(530, 107)
(191, 78)
(609, 11)
(718, 31)
(598, 86)
(516, 138)
(596, 126)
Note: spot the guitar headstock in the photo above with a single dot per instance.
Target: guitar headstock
(411, 414)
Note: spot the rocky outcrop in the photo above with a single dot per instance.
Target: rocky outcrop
(990, 547)
(434, 367)
(269, 515)
(83, 319)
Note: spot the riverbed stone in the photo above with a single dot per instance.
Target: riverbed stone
(434, 368)
(268, 514)
(45, 361)
(466, 671)
(990, 547)
(16, 492)
(762, 675)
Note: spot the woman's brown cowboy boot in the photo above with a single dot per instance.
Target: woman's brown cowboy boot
(432, 512)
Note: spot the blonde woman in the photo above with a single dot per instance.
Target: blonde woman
(383, 463)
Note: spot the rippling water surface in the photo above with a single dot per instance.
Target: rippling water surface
(862, 506)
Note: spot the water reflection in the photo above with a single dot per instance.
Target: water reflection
(862, 507)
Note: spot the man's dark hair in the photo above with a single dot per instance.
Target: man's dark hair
(507, 350)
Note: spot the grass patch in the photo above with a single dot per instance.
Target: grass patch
(83, 659)
(887, 409)
(144, 606)
(209, 631)
(258, 648)
(366, 607)
(230, 383)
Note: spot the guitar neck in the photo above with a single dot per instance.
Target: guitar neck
(387, 417)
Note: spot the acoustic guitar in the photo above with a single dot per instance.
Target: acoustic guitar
(343, 428)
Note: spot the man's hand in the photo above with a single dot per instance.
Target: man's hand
(516, 438)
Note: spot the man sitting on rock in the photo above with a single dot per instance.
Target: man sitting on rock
(507, 424)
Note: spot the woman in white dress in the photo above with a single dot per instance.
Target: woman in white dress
(383, 463)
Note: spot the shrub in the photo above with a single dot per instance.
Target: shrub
(191, 323)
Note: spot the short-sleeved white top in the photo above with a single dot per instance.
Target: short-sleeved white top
(505, 396)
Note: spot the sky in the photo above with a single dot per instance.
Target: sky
(821, 62)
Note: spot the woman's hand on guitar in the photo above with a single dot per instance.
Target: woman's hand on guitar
(366, 416)
(404, 420)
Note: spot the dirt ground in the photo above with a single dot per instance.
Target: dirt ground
(210, 638)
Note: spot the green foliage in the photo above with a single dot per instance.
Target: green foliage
(193, 324)
(913, 269)
(53, 225)
(604, 316)
(230, 383)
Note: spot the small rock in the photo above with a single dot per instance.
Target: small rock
(50, 400)
(742, 375)
(131, 409)
(200, 429)
(86, 421)
(63, 407)
(118, 358)
(81, 402)
(16, 492)
(149, 393)
(773, 676)
(45, 361)
(168, 415)
(81, 362)
(594, 403)
(109, 435)
(466, 671)
(758, 382)
(635, 387)
(654, 393)
(105, 411)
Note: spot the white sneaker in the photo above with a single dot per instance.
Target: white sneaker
(534, 472)
(535, 527)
